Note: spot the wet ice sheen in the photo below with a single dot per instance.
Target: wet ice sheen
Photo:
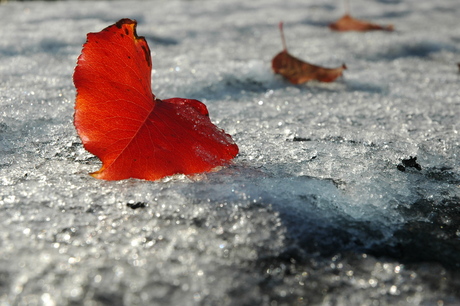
(313, 211)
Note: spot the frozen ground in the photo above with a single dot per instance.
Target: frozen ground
(314, 210)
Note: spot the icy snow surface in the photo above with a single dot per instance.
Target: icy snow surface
(314, 210)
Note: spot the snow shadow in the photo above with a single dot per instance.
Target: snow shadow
(307, 208)
(237, 87)
(429, 235)
(46, 45)
(314, 214)
(420, 49)
(160, 40)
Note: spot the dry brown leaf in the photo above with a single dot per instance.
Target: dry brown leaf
(298, 71)
(348, 23)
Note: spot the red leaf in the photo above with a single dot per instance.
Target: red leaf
(120, 121)
(298, 71)
(348, 23)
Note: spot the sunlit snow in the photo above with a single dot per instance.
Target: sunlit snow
(313, 211)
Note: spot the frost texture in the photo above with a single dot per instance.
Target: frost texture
(314, 210)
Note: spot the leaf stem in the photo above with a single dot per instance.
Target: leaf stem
(283, 40)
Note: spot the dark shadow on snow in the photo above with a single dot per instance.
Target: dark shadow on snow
(420, 49)
(317, 228)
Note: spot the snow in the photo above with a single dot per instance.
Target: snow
(313, 211)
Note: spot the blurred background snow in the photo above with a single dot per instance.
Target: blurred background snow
(314, 210)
